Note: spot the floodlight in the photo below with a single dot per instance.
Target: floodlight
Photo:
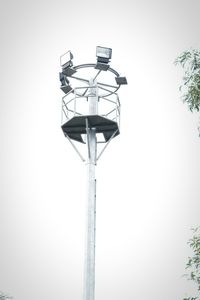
(66, 59)
(103, 54)
(121, 80)
(66, 88)
(62, 78)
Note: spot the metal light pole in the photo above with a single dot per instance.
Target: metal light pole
(85, 129)
(89, 272)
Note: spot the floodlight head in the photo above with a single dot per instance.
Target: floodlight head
(103, 54)
(62, 78)
(66, 60)
(66, 88)
(121, 80)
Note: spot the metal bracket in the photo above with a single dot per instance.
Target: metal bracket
(106, 145)
(75, 148)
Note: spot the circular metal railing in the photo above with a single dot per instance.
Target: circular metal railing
(74, 103)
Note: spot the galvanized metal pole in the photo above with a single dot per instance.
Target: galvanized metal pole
(89, 272)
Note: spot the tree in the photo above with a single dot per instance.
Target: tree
(193, 263)
(4, 297)
(190, 61)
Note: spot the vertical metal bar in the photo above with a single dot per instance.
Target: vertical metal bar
(62, 112)
(88, 137)
(75, 104)
(116, 111)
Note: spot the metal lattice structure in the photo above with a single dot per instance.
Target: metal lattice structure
(90, 116)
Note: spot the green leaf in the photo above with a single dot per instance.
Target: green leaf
(190, 62)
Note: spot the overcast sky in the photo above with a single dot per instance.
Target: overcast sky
(147, 179)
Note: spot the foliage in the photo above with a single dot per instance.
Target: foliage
(190, 62)
(4, 297)
(193, 263)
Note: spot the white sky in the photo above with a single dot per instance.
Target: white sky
(148, 178)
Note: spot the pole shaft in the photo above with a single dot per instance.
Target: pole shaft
(89, 284)
(89, 272)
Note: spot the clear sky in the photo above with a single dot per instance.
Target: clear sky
(148, 178)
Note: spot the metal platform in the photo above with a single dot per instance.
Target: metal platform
(77, 126)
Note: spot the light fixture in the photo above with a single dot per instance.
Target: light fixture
(65, 87)
(66, 63)
(103, 56)
(66, 59)
(121, 80)
(62, 78)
